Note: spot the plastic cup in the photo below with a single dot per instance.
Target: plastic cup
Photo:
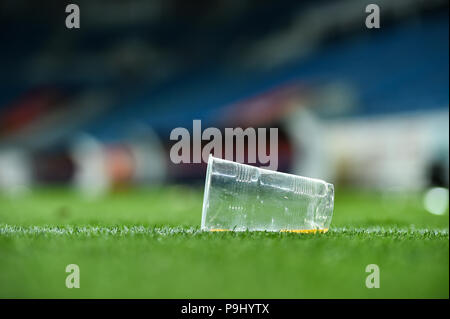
(241, 197)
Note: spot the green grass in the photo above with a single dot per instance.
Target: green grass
(146, 243)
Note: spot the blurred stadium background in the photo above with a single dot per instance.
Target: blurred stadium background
(85, 122)
(93, 108)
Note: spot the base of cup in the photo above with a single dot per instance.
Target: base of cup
(299, 231)
(304, 231)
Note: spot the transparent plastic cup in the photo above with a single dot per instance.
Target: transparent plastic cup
(241, 197)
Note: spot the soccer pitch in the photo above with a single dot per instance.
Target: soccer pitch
(146, 243)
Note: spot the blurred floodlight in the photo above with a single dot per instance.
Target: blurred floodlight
(148, 154)
(436, 200)
(91, 178)
(15, 172)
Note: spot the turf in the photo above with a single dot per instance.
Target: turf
(146, 243)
